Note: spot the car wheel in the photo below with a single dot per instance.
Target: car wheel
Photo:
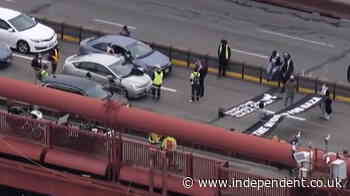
(23, 47)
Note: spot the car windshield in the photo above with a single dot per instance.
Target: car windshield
(97, 92)
(121, 70)
(22, 22)
(139, 49)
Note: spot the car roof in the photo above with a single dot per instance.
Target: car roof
(116, 39)
(7, 14)
(72, 81)
(100, 58)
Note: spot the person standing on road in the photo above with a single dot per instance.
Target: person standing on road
(54, 57)
(224, 55)
(195, 85)
(125, 31)
(287, 69)
(349, 73)
(327, 106)
(157, 83)
(37, 66)
(290, 90)
(203, 70)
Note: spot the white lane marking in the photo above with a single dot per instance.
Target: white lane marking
(287, 115)
(250, 53)
(27, 57)
(11, 1)
(168, 89)
(297, 38)
(113, 23)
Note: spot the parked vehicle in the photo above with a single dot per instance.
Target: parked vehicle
(24, 33)
(5, 55)
(136, 51)
(102, 68)
(76, 85)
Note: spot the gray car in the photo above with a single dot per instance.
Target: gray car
(102, 68)
(5, 56)
(138, 52)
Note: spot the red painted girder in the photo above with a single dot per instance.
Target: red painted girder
(42, 180)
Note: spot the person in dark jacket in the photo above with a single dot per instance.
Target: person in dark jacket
(203, 70)
(195, 89)
(274, 67)
(224, 54)
(327, 106)
(287, 69)
(37, 62)
(349, 73)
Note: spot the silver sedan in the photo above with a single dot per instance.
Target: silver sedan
(102, 68)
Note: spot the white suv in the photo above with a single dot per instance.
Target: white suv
(24, 33)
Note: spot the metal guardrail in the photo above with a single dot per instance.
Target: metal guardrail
(306, 84)
(133, 152)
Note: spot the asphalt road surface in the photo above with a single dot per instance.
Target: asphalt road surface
(221, 92)
(319, 46)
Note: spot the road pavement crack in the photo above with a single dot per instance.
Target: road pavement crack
(328, 61)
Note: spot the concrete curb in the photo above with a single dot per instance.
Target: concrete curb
(229, 74)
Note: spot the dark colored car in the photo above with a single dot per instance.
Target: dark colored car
(139, 53)
(76, 85)
(5, 56)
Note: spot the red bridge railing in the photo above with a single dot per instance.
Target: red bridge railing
(116, 151)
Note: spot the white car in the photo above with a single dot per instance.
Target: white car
(24, 33)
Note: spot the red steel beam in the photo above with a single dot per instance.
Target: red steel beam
(115, 114)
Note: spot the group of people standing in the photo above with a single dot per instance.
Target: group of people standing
(40, 68)
(280, 68)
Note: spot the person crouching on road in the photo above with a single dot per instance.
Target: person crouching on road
(53, 58)
(157, 83)
(224, 55)
(43, 73)
(290, 90)
(195, 85)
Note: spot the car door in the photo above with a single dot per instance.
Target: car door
(101, 74)
(6, 35)
(84, 67)
(64, 88)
